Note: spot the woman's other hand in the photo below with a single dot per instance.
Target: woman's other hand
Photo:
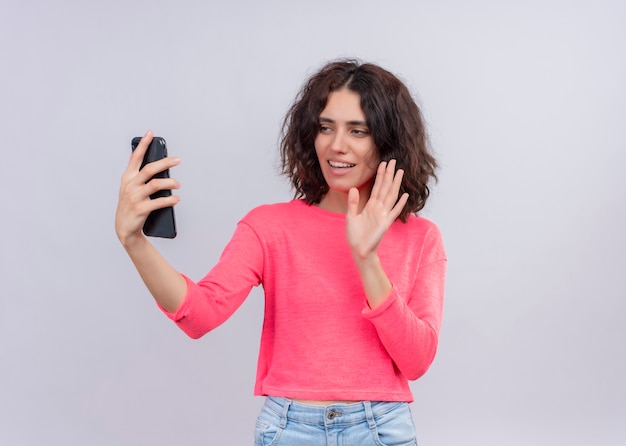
(134, 203)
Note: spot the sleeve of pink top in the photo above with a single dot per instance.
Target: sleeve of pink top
(409, 327)
(211, 301)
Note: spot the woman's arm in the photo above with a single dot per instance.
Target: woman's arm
(408, 326)
(366, 229)
(165, 284)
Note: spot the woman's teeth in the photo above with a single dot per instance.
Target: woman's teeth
(338, 165)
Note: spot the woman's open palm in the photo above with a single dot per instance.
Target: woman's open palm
(366, 229)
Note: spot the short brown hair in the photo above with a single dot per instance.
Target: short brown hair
(394, 119)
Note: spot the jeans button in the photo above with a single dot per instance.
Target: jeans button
(332, 414)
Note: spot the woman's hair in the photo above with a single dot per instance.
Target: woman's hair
(393, 118)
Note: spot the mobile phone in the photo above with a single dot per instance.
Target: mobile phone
(160, 222)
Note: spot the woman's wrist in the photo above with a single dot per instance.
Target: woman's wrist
(376, 284)
(131, 242)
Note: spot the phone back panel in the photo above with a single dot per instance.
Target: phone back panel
(160, 222)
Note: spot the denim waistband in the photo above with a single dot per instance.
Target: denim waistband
(336, 414)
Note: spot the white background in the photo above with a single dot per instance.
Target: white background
(525, 103)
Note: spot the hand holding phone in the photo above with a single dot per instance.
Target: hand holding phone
(160, 222)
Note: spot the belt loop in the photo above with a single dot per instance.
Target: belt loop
(283, 417)
(369, 414)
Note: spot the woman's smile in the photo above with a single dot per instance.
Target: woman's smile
(345, 147)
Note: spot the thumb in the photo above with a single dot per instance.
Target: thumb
(353, 202)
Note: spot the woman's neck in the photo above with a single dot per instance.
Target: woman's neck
(337, 201)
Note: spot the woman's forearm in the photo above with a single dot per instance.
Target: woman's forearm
(167, 286)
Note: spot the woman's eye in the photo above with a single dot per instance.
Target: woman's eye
(360, 132)
(325, 129)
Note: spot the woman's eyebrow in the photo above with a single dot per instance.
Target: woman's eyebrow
(332, 121)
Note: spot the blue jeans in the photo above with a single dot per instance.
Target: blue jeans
(283, 422)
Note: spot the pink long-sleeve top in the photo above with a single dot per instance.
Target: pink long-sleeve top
(320, 339)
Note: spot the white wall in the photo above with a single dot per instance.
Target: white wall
(525, 102)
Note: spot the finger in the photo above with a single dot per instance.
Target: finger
(353, 202)
(162, 202)
(157, 184)
(136, 157)
(133, 196)
(387, 183)
(145, 208)
(155, 167)
(397, 209)
(380, 173)
(392, 194)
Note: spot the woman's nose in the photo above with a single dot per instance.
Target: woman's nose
(338, 144)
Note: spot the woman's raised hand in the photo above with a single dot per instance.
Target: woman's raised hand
(134, 203)
(365, 229)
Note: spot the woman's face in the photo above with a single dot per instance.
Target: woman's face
(344, 145)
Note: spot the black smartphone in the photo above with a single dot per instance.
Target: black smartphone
(160, 222)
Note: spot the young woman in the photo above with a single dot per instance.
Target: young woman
(353, 279)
